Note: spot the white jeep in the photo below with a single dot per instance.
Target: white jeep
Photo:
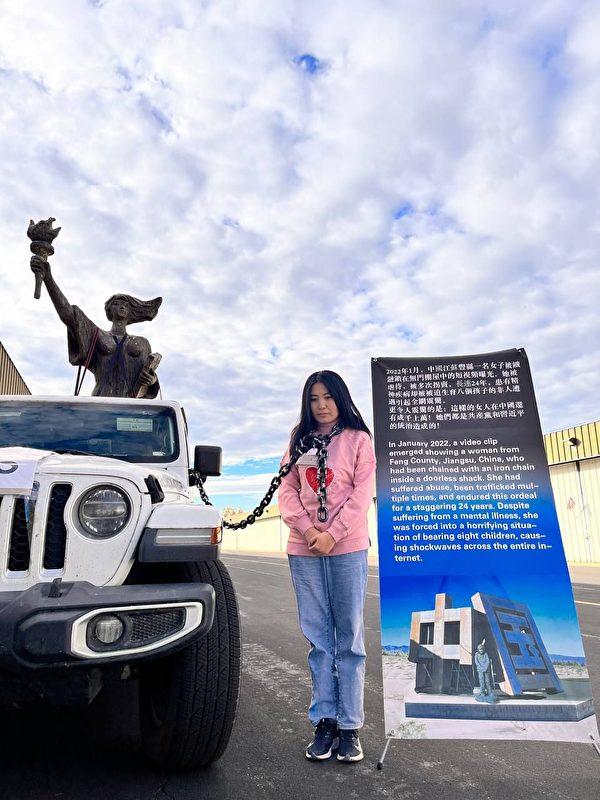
(109, 571)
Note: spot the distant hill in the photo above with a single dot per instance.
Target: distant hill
(394, 648)
(567, 659)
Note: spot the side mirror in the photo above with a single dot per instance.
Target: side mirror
(207, 460)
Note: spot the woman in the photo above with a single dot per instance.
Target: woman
(325, 507)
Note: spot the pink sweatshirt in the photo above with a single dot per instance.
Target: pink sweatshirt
(350, 471)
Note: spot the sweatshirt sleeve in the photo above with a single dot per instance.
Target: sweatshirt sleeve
(357, 505)
(292, 511)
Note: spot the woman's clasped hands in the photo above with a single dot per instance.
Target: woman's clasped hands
(319, 542)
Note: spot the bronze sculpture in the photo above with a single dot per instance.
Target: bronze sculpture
(122, 365)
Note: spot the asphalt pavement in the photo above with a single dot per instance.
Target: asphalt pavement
(94, 754)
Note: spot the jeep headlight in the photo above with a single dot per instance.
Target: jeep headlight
(104, 511)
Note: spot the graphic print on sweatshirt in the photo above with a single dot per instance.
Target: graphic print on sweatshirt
(312, 477)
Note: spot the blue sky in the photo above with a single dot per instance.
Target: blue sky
(307, 185)
(243, 484)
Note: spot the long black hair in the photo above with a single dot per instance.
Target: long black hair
(350, 416)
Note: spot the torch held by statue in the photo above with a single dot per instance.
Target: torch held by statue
(42, 234)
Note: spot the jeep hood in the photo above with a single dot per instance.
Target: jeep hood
(51, 463)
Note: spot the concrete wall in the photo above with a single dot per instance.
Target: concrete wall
(268, 535)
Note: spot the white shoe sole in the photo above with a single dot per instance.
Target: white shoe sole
(334, 746)
(349, 759)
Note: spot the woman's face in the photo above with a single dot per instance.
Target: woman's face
(322, 405)
(119, 309)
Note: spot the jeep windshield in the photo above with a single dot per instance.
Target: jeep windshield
(138, 434)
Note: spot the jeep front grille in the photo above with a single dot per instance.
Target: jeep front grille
(17, 514)
(19, 548)
(56, 530)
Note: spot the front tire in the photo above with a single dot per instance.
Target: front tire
(188, 700)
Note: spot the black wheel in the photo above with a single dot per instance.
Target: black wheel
(188, 700)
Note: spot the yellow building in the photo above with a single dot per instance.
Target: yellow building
(574, 458)
(11, 381)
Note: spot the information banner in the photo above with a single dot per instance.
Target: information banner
(479, 630)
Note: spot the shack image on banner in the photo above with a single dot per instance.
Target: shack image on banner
(479, 626)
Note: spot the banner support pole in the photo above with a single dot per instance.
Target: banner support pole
(387, 744)
(595, 744)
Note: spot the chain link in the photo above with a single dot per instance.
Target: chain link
(311, 440)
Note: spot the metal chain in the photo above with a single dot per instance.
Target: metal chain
(321, 443)
(311, 440)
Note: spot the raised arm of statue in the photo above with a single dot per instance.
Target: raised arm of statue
(64, 309)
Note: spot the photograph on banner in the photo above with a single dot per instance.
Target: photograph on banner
(480, 636)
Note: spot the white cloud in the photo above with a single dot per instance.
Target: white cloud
(186, 153)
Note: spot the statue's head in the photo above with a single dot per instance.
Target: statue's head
(481, 646)
(130, 309)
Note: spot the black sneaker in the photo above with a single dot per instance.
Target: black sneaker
(349, 748)
(325, 741)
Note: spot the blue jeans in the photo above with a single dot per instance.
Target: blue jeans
(330, 592)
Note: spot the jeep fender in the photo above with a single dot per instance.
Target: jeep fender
(181, 532)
